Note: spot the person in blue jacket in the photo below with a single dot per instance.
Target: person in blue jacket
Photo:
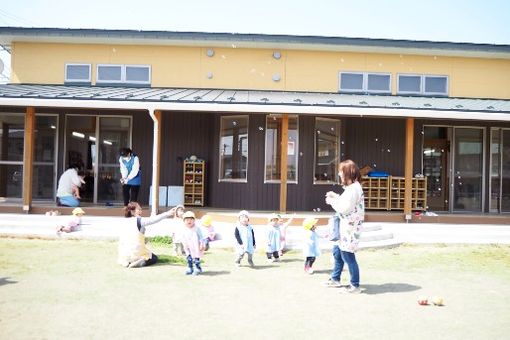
(131, 175)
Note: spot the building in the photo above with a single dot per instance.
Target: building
(439, 109)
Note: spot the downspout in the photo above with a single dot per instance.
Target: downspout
(155, 152)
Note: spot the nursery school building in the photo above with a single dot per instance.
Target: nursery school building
(257, 122)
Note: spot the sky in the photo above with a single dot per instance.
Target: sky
(473, 21)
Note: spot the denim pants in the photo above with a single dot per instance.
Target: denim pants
(348, 258)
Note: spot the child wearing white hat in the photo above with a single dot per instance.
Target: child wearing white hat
(311, 249)
(176, 229)
(192, 241)
(74, 222)
(245, 238)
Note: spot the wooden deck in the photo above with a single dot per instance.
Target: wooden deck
(260, 217)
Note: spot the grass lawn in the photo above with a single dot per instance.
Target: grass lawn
(75, 290)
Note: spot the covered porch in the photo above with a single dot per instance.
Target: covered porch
(156, 103)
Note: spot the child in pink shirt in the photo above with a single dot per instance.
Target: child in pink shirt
(193, 244)
(74, 223)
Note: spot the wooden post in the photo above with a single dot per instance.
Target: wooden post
(283, 163)
(28, 158)
(408, 175)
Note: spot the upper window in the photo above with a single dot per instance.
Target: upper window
(422, 84)
(327, 150)
(123, 74)
(77, 73)
(274, 149)
(234, 148)
(365, 82)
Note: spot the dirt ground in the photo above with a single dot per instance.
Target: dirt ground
(75, 290)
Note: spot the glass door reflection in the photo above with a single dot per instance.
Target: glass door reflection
(81, 150)
(113, 135)
(468, 169)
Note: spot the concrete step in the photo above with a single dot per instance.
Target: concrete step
(386, 243)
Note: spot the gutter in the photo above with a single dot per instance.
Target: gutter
(348, 111)
(155, 152)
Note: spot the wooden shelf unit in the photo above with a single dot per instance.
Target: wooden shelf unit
(388, 193)
(376, 191)
(194, 183)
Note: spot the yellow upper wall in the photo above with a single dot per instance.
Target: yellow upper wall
(236, 68)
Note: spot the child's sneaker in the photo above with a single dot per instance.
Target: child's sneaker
(351, 290)
(309, 270)
(189, 271)
(332, 283)
(137, 264)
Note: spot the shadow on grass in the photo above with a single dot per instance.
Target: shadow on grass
(215, 273)
(169, 259)
(6, 281)
(291, 260)
(388, 288)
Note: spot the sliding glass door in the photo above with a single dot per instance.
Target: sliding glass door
(94, 143)
(500, 170)
(468, 169)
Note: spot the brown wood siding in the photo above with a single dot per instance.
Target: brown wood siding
(368, 140)
(255, 194)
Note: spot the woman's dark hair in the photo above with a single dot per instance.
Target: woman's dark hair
(350, 171)
(129, 210)
(124, 152)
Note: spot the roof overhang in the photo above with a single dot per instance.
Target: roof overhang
(239, 101)
(9, 35)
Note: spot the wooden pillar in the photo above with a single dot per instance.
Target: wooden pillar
(408, 174)
(156, 162)
(28, 158)
(283, 164)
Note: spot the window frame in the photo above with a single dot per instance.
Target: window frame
(422, 91)
(234, 180)
(339, 151)
(122, 76)
(425, 76)
(68, 80)
(148, 82)
(296, 151)
(349, 90)
(364, 88)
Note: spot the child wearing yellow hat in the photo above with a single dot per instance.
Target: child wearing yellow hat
(210, 235)
(74, 223)
(311, 249)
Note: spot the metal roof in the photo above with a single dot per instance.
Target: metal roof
(8, 35)
(249, 97)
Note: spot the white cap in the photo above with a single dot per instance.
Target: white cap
(243, 212)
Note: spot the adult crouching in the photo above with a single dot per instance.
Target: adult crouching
(132, 250)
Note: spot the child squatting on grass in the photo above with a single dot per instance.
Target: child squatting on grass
(210, 234)
(273, 239)
(311, 248)
(245, 238)
(132, 250)
(193, 243)
(74, 222)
